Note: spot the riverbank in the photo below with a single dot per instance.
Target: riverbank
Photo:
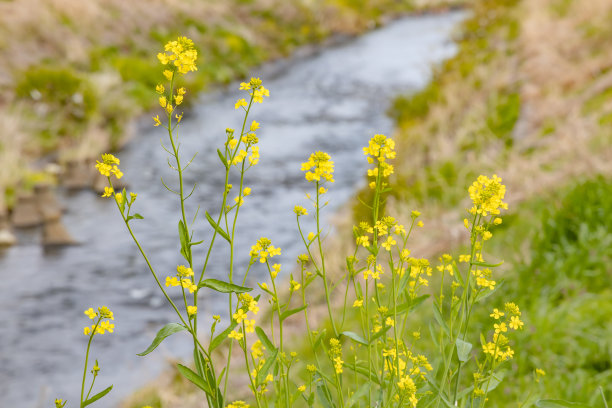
(79, 75)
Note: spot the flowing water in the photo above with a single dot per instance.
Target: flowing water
(332, 101)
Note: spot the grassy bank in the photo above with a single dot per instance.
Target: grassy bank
(527, 97)
(79, 72)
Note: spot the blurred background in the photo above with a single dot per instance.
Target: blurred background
(518, 88)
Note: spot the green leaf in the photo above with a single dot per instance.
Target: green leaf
(463, 350)
(223, 287)
(216, 342)
(288, 313)
(264, 339)
(440, 319)
(124, 201)
(439, 392)
(96, 397)
(409, 305)
(222, 157)
(194, 378)
(164, 332)
(135, 216)
(487, 264)
(355, 337)
(548, 403)
(263, 372)
(184, 237)
(324, 395)
(496, 379)
(217, 227)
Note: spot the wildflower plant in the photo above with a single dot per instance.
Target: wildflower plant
(101, 325)
(370, 353)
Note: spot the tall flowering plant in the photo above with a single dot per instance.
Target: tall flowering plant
(368, 353)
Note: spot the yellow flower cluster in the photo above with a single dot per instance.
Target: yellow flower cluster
(487, 195)
(380, 148)
(335, 352)
(264, 249)
(180, 53)
(408, 389)
(258, 91)
(183, 278)
(322, 166)
(108, 166)
(238, 404)
(499, 348)
(101, 326)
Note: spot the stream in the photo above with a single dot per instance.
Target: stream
(334, 100)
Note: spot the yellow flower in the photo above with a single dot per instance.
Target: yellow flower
(239, 103)
(239, 316)
(156, 120)
(294, 286)
(390, 322)
(257, 350)
(254, 126)
(275, 270)
(182, 54)
(389, 243)
(420, 224)
(86, 331)
(358, 303)
(322, 166)
(162, 101)
(299, 210)
(500, 328)
(249, 325)
(160, 89)
(178, 99)
(235, 335)
(497, 221)
(168, 74)
(191, 310)
(487, 195)
(515, 323)
(302, 388)
(338, 364)
(496, 314)
(90, 313)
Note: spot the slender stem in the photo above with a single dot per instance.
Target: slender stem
(91, 336)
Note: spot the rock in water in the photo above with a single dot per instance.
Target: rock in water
(26, 213)
(55, 234)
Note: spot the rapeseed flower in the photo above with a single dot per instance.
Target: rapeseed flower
(109, 165)
(487, 195)
(321, 165)
(182, 54)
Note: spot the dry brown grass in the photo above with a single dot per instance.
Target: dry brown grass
(556, 69)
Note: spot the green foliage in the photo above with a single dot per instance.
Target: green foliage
(61, 88)
(503, 112)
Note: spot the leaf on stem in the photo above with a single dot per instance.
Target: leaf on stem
(216, 342)
(194, 378)
(264, 339)
(288, 313)
(164, 332)
(263, 372)
(96, 397)
(463, 350)
(223, 287)
(355, 337)
(222, 157)
(440, 319)
(216, 227)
